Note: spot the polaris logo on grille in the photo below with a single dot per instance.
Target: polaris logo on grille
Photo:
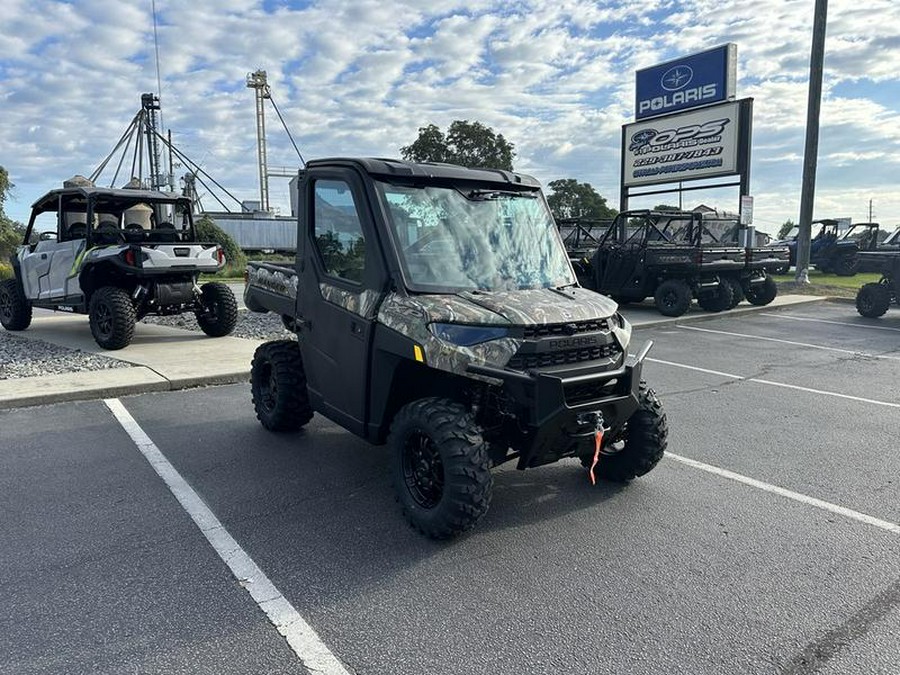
(571, 343)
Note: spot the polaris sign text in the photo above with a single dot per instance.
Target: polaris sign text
(689, 145)
(691, 81)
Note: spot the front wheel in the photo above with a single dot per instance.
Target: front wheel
(218, 311)
(642, 445)
(672, 297)
(112, 317)
(15, 310)
(761, 293)
(440, 467)
(873, 300)
(278, 386)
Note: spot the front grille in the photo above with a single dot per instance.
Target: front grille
(561, 358)
(552, 329)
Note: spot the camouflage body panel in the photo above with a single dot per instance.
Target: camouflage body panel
(411, 316)
(283, 283)
(541, 306)
(361, 303)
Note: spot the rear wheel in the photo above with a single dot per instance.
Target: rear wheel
(873, 300)
(218, 314)
(761, 293)
(737, 291)
(112, 316)
(278, 386)
(15, 310)
(718, 298)
(672, 297)
(846, 265)
(440, 467)
(642, 445)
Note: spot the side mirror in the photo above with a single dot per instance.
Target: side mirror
(47, 236)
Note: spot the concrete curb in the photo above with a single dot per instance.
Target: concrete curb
(695, 317)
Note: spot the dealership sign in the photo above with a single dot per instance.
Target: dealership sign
(685, 146)
(691, 81)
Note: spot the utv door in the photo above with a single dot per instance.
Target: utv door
(341, 281)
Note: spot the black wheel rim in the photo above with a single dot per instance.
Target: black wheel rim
(268, 387)
(423, 470)
(6, 305)
(866, 302)
(104, 320)
(670, 298)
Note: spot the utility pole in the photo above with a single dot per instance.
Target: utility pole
(258, 81)
(870, 210)
(810, 156)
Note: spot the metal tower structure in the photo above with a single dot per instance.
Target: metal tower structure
(257, 81)
(150, 106)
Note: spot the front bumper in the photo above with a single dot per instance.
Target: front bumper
(558, 414)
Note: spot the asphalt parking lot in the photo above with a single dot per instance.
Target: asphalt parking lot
(691, 569)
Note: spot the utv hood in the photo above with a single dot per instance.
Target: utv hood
(542, 306)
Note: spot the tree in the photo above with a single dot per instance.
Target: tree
(207, 230)
(470, 144)
(666, 208)
(571, 199)
(11, 231)
(785, 228)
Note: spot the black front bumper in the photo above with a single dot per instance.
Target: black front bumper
(559, 413)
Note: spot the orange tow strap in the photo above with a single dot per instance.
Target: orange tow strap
(598, 442)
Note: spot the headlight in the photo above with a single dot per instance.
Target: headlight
(466, 336)
(621, 328)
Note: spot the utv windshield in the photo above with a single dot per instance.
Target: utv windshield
(455, 238)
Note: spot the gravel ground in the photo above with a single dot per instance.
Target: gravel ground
(250, 325)
(21, 357)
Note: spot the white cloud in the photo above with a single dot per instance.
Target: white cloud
(360, 76)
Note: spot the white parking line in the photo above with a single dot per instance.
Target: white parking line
(300, 636)
(792, 342)
(894, 528)
(836, 323)
(887, 404)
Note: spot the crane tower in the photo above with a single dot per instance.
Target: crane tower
(257, 80)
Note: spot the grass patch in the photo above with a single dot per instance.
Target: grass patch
(825, 284)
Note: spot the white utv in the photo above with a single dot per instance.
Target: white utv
(115, 255)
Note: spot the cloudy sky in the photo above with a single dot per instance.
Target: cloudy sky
(358, 77)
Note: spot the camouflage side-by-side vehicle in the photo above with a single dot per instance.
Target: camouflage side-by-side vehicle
(436, 311)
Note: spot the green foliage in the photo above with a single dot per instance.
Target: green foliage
(570, 199)
(666, 208)
(470, 144)
(785, 228)
(11, 232)
(207, 230)
(6, 271)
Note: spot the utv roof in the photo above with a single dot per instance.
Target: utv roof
(50, 201)
(403, 170)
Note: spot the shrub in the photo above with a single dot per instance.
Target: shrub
(6, 271)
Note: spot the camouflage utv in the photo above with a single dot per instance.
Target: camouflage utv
(436, 311)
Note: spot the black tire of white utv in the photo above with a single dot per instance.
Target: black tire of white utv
(112, 317)
(278, 386)
(873, 300)
(672, 297)
(464, 463)
(717, 299)
(737, 292)
(15, 310)
(645, 442)
(761, 293)
(220, 311)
